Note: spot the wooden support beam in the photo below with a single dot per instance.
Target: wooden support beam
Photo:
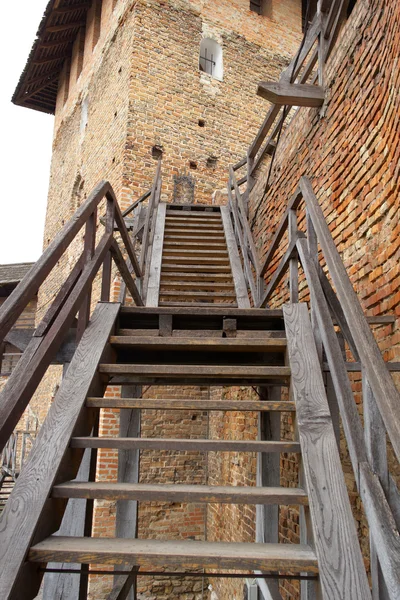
(66, 26)
(126, 275)
(153, 286)
(341, 567)
(268, 474)
(242, 295)
(291, 94)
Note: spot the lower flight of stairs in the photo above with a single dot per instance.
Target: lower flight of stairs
(181, 346)
(195, 263)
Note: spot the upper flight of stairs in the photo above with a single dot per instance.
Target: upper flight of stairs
(195, 262)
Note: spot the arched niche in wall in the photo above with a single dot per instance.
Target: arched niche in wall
(210, 60)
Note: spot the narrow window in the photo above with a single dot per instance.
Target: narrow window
(258, 6)
(211, 58)
(350, 6)
(80, 51)
(96, 21)
(67, 74)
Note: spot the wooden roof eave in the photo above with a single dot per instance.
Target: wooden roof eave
(57, 31)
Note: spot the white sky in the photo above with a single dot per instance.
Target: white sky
(26, 138)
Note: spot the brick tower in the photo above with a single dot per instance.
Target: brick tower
(129, 81)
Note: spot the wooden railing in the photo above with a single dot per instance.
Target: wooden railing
(74, 296)
(305, 68)
(15, 452)
(315, 250)
(244, 238)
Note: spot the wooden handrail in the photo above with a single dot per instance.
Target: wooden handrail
(379, 494)
(73, 297)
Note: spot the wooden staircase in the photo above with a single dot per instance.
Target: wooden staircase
(177, 346)
(195, 261)
(281, 352)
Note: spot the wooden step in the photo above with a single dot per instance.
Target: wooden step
(189, 232)
(202, 405)
(201, 333)
(180, 493)
(216, 555)
(206, 261)
(175, 304)
(201, 268)
(193, 219)
(291, 94)
(236, 372)
(200, 252)
(252, 314)
(175, 224)
(199, 345)
(197, 278)
(203, 239)
(195, 214)
(184, 445)
(192, 295)
(193, 245)
(211, 286)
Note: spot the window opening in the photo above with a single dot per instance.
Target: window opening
(350, 6)
(207, 64)
(210, 60)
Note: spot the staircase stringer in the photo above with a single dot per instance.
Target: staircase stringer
(340, 562)
(29, 515)
(239, 281)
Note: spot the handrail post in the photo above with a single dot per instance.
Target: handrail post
(312, 244)
(106, 275)
(88, 251)
(293, 262)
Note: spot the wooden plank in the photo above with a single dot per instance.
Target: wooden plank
(341, 567)
(198, 371)
(269, 313)
(202, 405)
(386, 394)
(279, 272)
(125, 587)
(20, 516)
(379, 516)
(181, 493)
(242, 295)
(195, 344)
(184, 445)
(126, 275)
(248, 236)
(243, 246)
(268, 474)
(383, 529)
(375, 437)
(265, 557)
(280, 232)
(291, 94)
(265, 127)
(63, 586)
(126, 525)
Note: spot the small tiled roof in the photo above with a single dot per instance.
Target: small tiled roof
(38, 84)
(13, 273)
